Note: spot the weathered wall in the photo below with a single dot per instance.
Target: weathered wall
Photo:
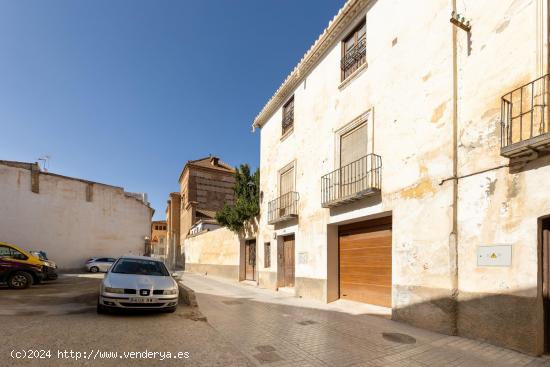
(407, 92)
(215, 252)
(60, 221)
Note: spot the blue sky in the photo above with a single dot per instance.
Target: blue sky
(126, 91)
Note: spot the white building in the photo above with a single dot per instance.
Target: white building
(69, 218)
(403, 164)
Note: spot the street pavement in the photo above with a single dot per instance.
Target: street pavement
(276, 329)
(56, 324)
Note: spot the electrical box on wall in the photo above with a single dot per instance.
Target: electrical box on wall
(495, 255)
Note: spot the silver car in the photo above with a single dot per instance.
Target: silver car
(97, 264)
(138, 283)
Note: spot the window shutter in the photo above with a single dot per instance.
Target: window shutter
(353, 145)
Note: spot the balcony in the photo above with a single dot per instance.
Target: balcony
(284, 208)
(524, 119)
(354, 181)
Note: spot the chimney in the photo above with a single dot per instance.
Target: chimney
(214, 161)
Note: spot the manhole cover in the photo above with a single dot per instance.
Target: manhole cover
(307, 322)
(399, 338)
(232, 302)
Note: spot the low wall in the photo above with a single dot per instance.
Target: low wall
(214, 252)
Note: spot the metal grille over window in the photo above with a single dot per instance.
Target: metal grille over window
(354, 51)
(288, 116)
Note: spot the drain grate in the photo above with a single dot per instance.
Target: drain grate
(307, 322)
(399, 338)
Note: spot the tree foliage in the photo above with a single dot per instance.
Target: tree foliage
(247, 200)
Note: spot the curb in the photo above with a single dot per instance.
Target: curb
(187, 295)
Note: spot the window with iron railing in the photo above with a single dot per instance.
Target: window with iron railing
(524, 117)
(354, 51)
(283, 208)
(288, 116)
(360, 178)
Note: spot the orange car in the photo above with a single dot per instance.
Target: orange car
(18, 268)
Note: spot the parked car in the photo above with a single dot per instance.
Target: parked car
(18, 268)
(97, 264)
(138, 283)
(50, 267)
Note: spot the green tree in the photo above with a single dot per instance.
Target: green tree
(247, 200)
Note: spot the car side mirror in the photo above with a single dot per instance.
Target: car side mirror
(174, 275)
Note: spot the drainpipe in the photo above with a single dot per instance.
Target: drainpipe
(453, 238)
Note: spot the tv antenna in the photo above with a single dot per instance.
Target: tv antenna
(45, 160)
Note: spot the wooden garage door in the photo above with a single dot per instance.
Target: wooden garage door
(365, 262)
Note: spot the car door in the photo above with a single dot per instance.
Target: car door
(5, 255)
(101, 264)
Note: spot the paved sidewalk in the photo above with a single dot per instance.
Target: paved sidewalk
(275, 329)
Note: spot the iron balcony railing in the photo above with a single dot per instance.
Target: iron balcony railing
(288, 119)
(283, 208)
(524, 117)
(353, 181)
(354, 56)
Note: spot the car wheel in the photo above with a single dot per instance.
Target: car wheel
(19, 280)
(94, 269)
(100, 308)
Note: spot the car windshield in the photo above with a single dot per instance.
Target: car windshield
(140, 267)
(40, 254)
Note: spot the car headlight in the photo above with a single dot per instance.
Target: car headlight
(170, 291)
(114, 290)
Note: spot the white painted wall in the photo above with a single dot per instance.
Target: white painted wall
(61, 222)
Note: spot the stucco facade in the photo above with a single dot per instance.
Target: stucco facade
(71, 219)
(430, 96)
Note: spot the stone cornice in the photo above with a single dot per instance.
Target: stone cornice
(336, 26)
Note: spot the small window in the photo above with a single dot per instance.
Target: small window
(267, 254)
(288, 116)
(353, 51)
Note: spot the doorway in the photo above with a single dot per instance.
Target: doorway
(250, 260)
(545, 255)
(365, 261)
(285, 263)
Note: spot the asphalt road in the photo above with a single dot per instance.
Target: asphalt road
(56, 324)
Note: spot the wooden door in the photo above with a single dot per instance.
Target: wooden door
(546, 287)
(288, 261)
(365, 260)
(250, 260)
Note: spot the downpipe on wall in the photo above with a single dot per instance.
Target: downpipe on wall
(453, 237)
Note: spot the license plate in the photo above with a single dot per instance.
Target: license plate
(142, 300)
